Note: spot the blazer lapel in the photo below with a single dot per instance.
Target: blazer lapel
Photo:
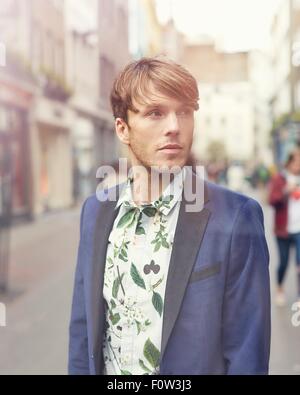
(188, 236)
(187, 240)
(104, 223)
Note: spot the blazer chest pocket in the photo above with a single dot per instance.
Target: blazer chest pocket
(205, 272)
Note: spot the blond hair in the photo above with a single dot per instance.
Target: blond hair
(166, 76)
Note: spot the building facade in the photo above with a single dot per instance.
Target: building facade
(17, 90)
(36, 47)
(148, 37)
(113, 56)
(51, 115)
(285, 34)
(54, 96)
(234, 106)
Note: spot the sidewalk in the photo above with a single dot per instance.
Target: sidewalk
(285, 339)
(38, 305)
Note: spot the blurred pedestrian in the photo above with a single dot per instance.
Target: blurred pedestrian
(284, 196)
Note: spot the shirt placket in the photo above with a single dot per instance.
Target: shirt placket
(128, 343)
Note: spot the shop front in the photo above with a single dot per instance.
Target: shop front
(14, 144)
(52, 156)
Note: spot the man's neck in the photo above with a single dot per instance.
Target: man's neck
(148, 187)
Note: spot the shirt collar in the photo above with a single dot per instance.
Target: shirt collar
(164, 203)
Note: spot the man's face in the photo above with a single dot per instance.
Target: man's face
(161, 132)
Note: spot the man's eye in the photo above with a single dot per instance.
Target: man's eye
(155, 114)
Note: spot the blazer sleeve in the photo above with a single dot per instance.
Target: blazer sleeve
(78, 339)
(246, 314)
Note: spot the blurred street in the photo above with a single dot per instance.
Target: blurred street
(35, 340)
(38, 304)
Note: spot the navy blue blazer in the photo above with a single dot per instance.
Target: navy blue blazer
(217, 301)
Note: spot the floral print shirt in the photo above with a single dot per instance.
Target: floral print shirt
(137, 263)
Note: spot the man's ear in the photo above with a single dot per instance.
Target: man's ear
(122, 130)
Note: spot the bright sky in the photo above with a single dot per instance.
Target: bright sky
(236, 24)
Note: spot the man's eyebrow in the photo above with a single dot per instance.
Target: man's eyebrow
(150, 106)
(154, 105)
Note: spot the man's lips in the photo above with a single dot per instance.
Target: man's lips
(171, 148)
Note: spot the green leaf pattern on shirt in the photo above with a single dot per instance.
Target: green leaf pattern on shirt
(136, 277)
(151, 353)
(157, 302)
(117, 268)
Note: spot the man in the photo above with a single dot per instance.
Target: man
(160, 288)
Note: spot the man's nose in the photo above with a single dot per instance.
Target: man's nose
(172, 126)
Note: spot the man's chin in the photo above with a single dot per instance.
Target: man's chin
(164, 166)
(168, 167)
